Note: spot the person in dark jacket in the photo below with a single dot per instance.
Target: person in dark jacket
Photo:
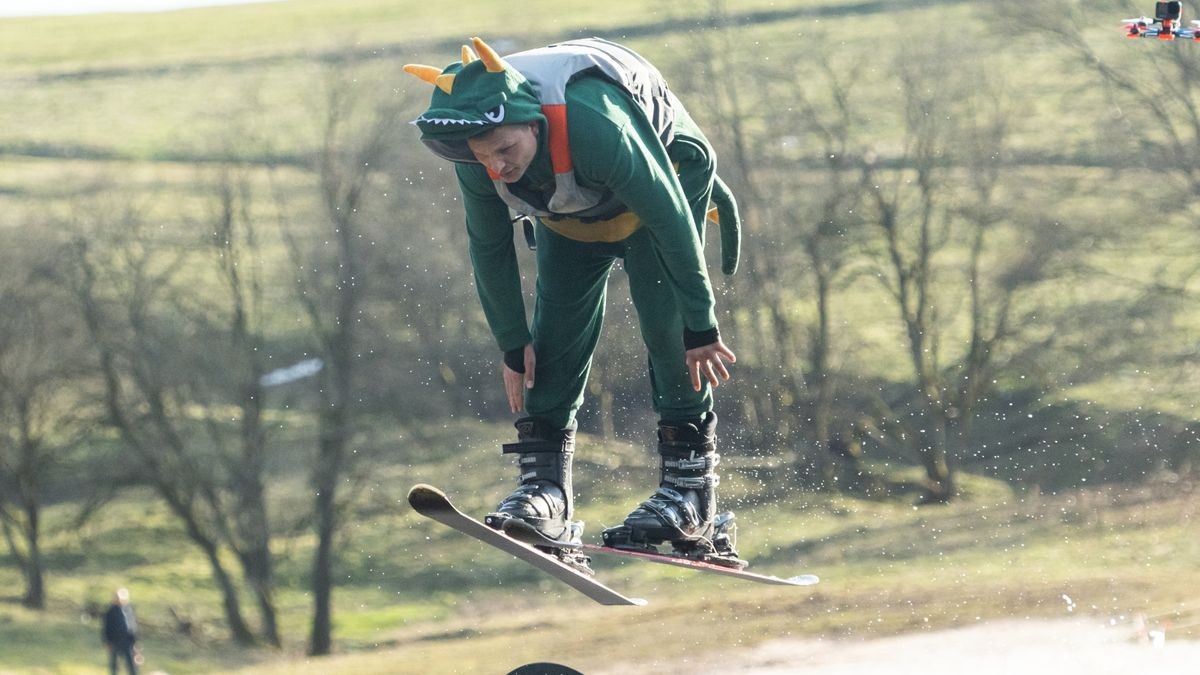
(120, 632)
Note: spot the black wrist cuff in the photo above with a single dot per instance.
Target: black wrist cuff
(515, 359)
(693, 339)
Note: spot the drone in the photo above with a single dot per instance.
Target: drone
(1166, 24)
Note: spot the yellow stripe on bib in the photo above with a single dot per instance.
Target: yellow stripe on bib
(605, 231)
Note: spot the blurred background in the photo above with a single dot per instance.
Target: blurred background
(239, 322)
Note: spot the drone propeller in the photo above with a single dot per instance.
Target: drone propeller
(1141, 19)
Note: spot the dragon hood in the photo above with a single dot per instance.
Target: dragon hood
(470, 98)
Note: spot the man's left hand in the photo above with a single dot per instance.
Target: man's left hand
(706, 362)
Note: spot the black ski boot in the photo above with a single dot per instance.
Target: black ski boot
(683, 511)
(539, 511)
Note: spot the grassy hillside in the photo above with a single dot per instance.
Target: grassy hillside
(97, 109)
(163, 85)
(414, 597)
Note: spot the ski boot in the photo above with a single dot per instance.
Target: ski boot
(539, 511)
(683, 511)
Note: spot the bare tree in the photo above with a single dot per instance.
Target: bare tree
(822, 218)
(165, 351)
(790, 139)
(234, 244)
(331, 286)
(141, 396)
(940, 200)
(911, 236)
(1143, 98)
(42, 412)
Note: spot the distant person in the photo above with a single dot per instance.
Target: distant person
(120, 633)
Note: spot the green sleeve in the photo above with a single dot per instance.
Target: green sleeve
(493, 258)
(624, 154)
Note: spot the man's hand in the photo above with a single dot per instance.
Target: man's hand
(515, 383)
(706, 362)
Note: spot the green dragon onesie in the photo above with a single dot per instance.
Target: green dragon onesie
(621, 171)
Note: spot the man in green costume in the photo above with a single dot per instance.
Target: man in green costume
(585, 137)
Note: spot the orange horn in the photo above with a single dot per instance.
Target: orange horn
(425, 73)
(490, 58)
(467, 55)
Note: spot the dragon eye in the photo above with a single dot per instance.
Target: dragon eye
(495, 115)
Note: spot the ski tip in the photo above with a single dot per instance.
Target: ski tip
(803, 580)
(421, 495)
(422, 487)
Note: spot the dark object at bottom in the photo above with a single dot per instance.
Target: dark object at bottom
(544, 669)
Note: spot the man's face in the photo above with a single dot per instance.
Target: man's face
(507, 150)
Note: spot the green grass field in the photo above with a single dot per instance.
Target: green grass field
(101, 109)
(416, 597)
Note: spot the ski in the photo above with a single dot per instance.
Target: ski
(701, 566)
(434, 504)
(522, 532)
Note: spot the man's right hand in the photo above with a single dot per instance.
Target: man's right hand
(515, 383)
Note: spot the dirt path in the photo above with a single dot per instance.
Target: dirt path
(1077, 646)
(1011, 647)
